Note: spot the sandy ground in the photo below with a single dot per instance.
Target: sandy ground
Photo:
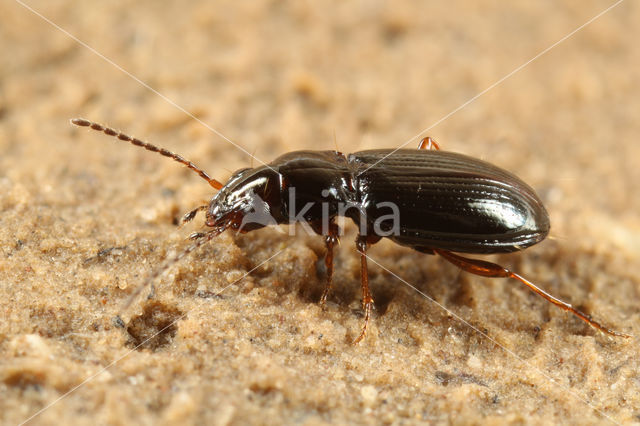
(84, 219)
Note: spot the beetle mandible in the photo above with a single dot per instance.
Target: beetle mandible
(447, 203)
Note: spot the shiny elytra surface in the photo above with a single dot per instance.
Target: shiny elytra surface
(451, 201)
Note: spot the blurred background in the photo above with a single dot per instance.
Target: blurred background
(217, 81)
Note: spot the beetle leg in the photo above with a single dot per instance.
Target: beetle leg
(331, 237)
(330, 240)
(429, 144)
(200, 239)
(488, 269)
(192, 214)
(367, 299)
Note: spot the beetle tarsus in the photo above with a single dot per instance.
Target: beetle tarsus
(197, 235)
(492, 270)
(202, 239)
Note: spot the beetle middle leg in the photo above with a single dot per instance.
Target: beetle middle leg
(362, 242)
(492, 270)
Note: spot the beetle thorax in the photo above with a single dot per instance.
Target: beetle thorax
(250, 200)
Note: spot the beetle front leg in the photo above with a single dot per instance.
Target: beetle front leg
(192, 214)
(488, 269)
(330, 240)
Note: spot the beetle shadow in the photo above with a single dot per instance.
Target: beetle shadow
(429, 274)
(413, 279)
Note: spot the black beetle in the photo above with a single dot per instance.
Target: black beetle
(440, 202)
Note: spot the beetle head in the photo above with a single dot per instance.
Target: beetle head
(249, 200)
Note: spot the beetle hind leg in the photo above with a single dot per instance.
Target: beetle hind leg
(492, 270)
(429, 144)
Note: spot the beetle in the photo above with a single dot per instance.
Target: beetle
(443, 203)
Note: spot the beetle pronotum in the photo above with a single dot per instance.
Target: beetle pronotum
(447, 202)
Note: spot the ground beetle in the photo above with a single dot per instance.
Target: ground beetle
(440, 202)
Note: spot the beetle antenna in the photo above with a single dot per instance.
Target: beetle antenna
(121, 136)
(200, 238)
